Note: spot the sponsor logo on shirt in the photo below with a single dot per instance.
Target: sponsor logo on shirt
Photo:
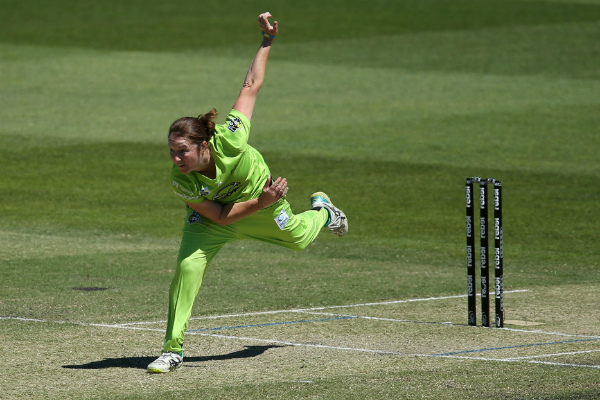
(182, 188)
(183, 192)
(183, 196)
(227, 190)
(234, 124)
(282, 219)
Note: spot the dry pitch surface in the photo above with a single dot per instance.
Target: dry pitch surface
(388, 347)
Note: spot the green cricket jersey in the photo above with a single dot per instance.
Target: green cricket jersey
(241, 169)
(241, 175)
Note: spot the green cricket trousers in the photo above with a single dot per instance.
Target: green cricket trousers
(202, 239)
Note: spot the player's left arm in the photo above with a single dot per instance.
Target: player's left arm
(230, 213)
(256, 73)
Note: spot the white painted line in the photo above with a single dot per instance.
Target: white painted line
(553, 355)
(398, 301)
(452, 324)
(564, 364)
(381, 319)
(23, 319)
(550, 333)
(287, 343)
(301, 310)
(281, 342)
(513, 360)
(114, 326)
(319, 346)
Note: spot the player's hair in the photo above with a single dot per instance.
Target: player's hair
(196, 130)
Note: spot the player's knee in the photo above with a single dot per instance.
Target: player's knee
(192, 266)
(299, 246)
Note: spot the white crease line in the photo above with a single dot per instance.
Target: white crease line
(119, 326)
(311, 310)
(516, 360)
(564, 364)
(452, 324)
(126, 324)
(553, 355)
(398, 301)
(116, 326)
(301, 310)
(550, 333)
(381, 319)
(24, 319)
(321, 346)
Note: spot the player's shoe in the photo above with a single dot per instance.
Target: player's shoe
(338, 223)
(167, 362)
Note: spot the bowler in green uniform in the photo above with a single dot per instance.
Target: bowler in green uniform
(230, 195)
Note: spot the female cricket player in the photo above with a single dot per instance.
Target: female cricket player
(230, 195)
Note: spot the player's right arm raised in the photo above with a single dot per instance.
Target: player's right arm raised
(256, 73)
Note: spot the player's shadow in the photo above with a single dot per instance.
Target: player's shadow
(142, 362)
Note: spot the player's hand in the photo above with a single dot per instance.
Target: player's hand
(272, 193)
(265, 25)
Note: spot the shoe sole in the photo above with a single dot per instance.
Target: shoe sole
(160, 371)
(156, 371)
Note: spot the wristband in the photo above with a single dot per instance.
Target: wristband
(271, 36)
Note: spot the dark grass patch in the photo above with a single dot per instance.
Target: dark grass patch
(90, 289)
(186, 24)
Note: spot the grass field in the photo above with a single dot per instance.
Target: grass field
(387, 105)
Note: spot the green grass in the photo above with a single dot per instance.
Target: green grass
(385, 105)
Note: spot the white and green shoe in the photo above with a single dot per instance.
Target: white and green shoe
(337, 223)
(167, 362)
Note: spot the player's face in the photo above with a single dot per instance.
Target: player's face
(185, 155)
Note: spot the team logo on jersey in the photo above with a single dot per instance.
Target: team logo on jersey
(194, 217)
(234, 124)
(205, 191)
(227, 190)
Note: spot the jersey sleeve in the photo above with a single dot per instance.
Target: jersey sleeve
(184, 188)
(234, 133)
